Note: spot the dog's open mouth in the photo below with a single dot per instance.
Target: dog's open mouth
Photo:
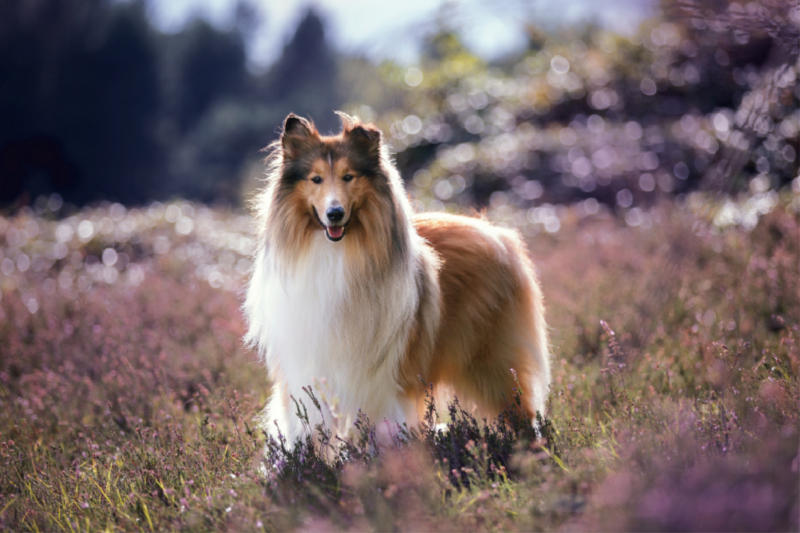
(334, 233)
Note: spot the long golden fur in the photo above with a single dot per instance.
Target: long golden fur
(354, 294)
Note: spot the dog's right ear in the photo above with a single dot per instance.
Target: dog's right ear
(297, 133)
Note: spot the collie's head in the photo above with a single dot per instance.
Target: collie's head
(339, 190)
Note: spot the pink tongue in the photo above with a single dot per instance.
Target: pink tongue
(335, 231)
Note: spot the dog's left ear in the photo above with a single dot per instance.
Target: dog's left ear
(363, 136)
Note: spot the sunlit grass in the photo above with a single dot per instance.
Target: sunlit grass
(129, 403)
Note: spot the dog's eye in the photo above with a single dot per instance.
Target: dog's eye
(347, 177)
(317, 180)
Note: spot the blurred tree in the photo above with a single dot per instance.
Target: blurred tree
(202, 66)
(704, 94)
(304, 79)
(750, 54)
(229, 114)
(247, 19)
(95, 103)
(210, 66)
(79, 95)
(107, 103)
(227, 133)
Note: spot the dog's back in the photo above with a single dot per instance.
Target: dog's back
(492, 316)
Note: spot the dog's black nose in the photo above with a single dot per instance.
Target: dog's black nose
(335, 214)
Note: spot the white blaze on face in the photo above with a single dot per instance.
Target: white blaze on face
(335, 228)
(332, 200)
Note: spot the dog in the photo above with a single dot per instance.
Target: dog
(354, 294)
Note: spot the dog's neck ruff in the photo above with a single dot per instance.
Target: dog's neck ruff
(323, 320)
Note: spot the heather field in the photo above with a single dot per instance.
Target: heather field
(127, 401)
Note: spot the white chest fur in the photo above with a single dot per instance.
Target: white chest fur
(324, 326)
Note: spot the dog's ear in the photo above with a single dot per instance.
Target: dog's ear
(297, 133)
(364, 137)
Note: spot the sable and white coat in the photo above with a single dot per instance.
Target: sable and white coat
(364, 306)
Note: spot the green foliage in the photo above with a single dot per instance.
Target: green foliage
(97, 104)
(696, 98)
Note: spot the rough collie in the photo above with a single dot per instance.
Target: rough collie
(353, 294)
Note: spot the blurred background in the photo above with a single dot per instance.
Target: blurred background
(504, 105)
(647, 150)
